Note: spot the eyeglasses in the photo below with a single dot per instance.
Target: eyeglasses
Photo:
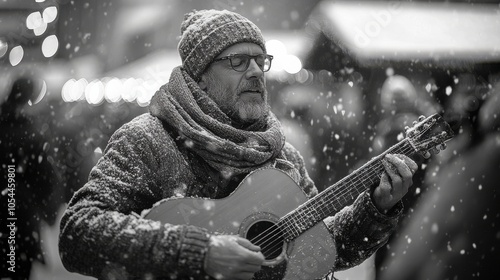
(240, 62)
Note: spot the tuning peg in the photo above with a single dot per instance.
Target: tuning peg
(442, 147)
(408, 131)
(421, 118)
(414, 123)
(426, 154)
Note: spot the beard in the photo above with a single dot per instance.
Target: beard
(249, 111)
(240, 106)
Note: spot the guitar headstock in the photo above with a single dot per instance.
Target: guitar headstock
(429, 133)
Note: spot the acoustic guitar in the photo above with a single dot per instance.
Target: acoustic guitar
(271, 210)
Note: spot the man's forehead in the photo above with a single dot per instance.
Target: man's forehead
(244, 48)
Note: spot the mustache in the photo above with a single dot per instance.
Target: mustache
(252, 85)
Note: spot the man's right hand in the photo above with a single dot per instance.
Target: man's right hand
(232, 257)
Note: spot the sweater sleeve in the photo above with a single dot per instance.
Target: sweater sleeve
(358, 229)
(101, 235)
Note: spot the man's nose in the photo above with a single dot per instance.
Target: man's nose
(253, 70)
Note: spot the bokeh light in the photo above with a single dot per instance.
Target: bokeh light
(34, 20)
(16, 55)
(94, 92)
(275, 47)
(50, 46)
(40, 29)
(49, 14)
(112, 90)
(292, 64)
(67, 89)
(4, 46)
(129, 90)
(282, 61)
(73, 90)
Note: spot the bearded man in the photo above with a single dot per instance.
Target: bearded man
(206, 130)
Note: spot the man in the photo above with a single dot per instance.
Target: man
(206, 130)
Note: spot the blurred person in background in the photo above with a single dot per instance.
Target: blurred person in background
(23, 147)
(207, 129)
(331, 116)
(454, 229)
(401, 104)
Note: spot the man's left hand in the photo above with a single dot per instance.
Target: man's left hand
(395, 181)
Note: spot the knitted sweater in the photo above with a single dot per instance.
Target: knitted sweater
(103, 235)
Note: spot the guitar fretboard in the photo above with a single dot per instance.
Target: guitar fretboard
(339, 195)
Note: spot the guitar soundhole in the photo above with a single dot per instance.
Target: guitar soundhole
(268, 237)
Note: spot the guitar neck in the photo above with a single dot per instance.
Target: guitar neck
(343, 193)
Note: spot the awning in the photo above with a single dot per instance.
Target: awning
(412, 30)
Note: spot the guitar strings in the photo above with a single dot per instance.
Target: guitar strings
(274, 232)
(287, 226)
(275, 249)
(272, 247)
(372, 172)
(272, 235)
(339, 192)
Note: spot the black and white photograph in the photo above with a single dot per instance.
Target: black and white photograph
(264, 140)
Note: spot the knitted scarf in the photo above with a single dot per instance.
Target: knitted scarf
(208, 132)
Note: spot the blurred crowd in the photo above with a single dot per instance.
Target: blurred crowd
(450, 229)
(52, 145)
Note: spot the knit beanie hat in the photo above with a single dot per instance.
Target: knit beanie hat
(207, 33)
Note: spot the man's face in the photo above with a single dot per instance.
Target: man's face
(241, 95)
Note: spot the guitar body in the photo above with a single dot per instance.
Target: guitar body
(252, 211)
